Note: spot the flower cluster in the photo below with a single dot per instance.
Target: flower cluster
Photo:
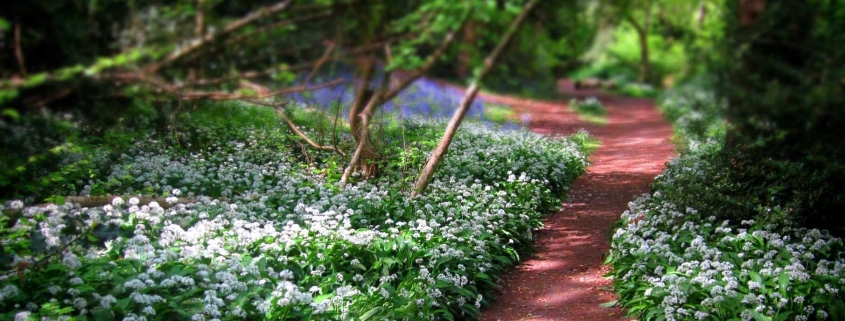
(246, 232)
(676, 256)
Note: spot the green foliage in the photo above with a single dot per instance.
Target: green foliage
(266, 235)
(671, 261)
(553, 37)
(499, 114)
(590, 110)
(784, 90)
(694, 110)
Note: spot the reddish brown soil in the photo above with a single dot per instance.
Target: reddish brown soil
(563, 280)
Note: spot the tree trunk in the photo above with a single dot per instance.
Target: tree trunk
(644, 67)
(465, 56)
(642, 33)
(701, 15)
(364, 153)
(439, 151)
(362, 159)
(362, 94)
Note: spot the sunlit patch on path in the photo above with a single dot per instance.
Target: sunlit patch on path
(563, 279)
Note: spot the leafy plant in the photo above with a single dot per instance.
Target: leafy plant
(590, 109)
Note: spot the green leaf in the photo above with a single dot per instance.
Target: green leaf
(323, 297)
(783, 283)
(837, 310)
(609, 304)
(102, 315)
(785, 316)
(35, 80)
(369, 314)
(4, 25)
(760, 317)
(122, 304)
(11, 113)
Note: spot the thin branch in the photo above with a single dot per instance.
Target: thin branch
(236, 39)
(242, 75)
(217, 95)
(229, 28)
(432, 59)
(326, 55)
(293, 127)
(304, 137)
(191, 95)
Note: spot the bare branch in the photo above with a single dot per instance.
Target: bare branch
(326, 55)
(229, 28)
(432, 59)
(363, 142)
(172, 89)
(243, 75)
(192, 95)
(236, 39)
(293, 127)
(302, 135)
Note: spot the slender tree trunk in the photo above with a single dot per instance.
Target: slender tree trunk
(701, 15)
(644, 66)
(199, 26)
(364, 153)
(642, 33)
(362, 94)
(465, 56)
(19, 50)
(439, 151)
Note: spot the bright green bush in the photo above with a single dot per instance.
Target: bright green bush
(258, 234)
(633, 89)
(590, 109)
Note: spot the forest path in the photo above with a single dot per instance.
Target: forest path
(563, 280)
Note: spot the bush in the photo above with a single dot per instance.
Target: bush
(710, 244)
(694, 110)
(246, 231)
(674, 261)
(590, 110)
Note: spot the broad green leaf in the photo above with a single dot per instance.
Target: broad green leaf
(11, 113)
(609, 304)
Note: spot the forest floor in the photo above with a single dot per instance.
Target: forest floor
(562, 279)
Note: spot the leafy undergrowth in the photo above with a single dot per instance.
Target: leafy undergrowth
(590, 109)
(685, 252)
(252, 228)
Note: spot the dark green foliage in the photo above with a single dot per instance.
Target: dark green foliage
(784, 85)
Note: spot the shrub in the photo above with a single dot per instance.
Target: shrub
(247, 231)
(694, 110)
(674, 262)
(590, 110)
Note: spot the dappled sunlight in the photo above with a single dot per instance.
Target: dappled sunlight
(562, 279)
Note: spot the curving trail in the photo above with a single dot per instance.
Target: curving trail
(563, 280)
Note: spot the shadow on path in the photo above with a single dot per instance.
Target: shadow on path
(563, 279)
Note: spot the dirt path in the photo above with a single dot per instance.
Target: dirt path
(563, 279)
